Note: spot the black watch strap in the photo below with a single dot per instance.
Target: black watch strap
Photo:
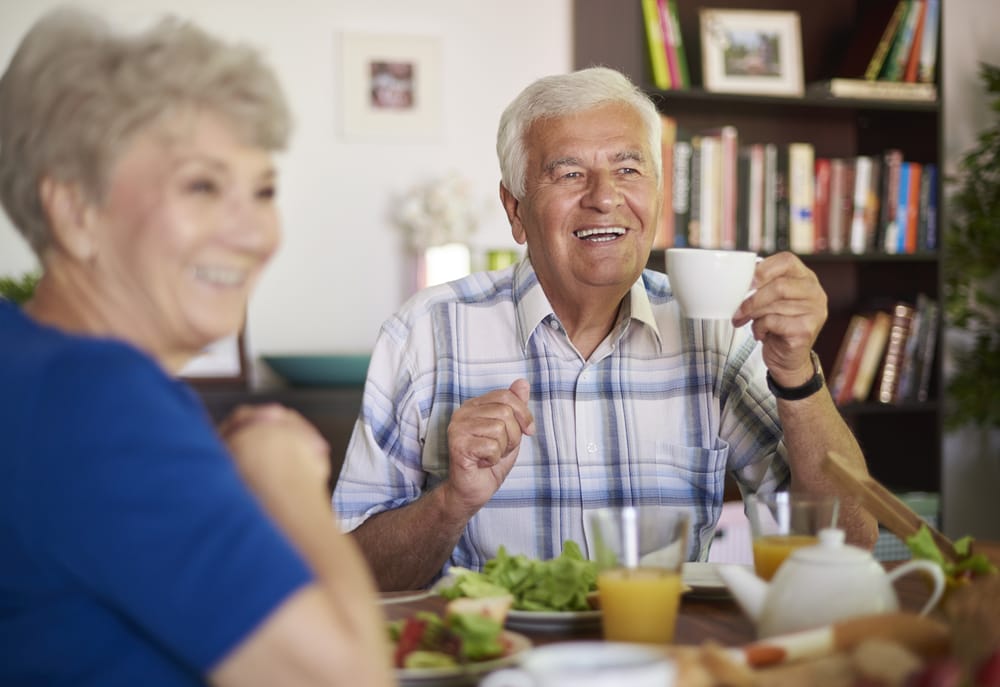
(797, 393)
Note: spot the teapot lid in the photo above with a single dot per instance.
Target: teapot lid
(831, 549)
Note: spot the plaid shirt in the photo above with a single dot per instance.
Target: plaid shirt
(659, 413)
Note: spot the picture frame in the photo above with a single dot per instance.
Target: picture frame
(391, 87)
(222, 364)
(756, 52)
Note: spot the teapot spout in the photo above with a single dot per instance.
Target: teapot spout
(748, 589)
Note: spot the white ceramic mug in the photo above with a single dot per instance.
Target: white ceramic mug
(710, 284)
(588, 664)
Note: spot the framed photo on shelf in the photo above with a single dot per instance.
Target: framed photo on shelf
(221, 364)
(757, 52)
(390, 87)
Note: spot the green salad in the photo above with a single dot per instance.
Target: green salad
(559, 584)
(967, 566)
(426, 640)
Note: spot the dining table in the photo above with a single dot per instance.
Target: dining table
(701, 618)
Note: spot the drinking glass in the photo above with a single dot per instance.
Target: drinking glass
(784, 521)
(639, 553)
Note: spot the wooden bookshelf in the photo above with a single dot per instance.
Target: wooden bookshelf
(902, 442)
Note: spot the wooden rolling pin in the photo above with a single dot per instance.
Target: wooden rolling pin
(887, 508)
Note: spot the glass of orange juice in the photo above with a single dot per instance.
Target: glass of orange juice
(639, 553)
(784, 521)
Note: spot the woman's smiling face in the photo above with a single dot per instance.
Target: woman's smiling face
(186, 225)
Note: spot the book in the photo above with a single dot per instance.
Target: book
(895, 63)
(654, 44)
(681, 191)
(755, 206)
(895, 241)
(905, 389)
(859, 228)
(845, 366)
(871, 355)
(781, 199)
(929, 208)
(837, 232)
(669, 43)
(728, 182)
(873, 19)
(821, 205)
(892, 161)
(885, 41)
(926, 347)
(912, 208)
(913, 59)
(929, 44)
(694, 197)
(664, 236)
(678, 44)
(801, 191)
(770, 197)
(710, 205)
(880, 90)
(892, 365)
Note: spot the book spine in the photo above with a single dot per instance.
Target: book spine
(678, 38)
(871, 356)
(743, 198)
(729, 180)
(902, 316)
(835, 220)
(930, 214)
(846, 365)
(929, 43)
(926, 349)
(895, 64)
(906, 375)
(669, 43)
(665, 229)
(882, 49)
(755, 222)
(711, 192)
(654, 44)
(872, 204)
(821, 205)
(862, 179)
(781, 201)
(898, 244)
(892, 161)
(681, 191)
(801, 193)
(770, 197)
(913, 59)
(694, 204)
(913, 208)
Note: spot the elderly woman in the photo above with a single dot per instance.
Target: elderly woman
(141, 546)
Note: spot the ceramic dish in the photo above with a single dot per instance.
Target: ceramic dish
(553, 621)
(468, 674)
(320, 369)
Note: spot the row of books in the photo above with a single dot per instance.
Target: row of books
(769, 197)
(667, 60)
(893, 53)
(887, 356)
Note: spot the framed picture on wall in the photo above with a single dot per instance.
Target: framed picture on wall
(751, 51)
(390, 87)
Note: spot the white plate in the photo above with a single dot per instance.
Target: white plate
(468, 674)
(704, 582)
(553, 621)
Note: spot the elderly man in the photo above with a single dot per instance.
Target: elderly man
(499, 409)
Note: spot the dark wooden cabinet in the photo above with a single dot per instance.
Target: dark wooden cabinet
(332, 410)
(902, 442)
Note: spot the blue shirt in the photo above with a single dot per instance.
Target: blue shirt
(133, 554)
(657, 415)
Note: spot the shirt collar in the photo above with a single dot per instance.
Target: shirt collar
(532, 305)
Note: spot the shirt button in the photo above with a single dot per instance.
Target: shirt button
(554, 325)
(592, 447)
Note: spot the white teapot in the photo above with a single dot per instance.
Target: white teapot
(820, 584)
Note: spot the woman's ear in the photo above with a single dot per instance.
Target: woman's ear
(511, 206)
(70, 216)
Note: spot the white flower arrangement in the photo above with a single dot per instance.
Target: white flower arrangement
(437, 213)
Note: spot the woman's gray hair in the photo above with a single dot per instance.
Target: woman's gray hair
(564, 94)
(76, 91)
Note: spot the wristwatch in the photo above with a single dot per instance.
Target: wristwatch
(797, 393)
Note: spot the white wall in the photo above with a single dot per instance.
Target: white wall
(971, 460)
(342, 268)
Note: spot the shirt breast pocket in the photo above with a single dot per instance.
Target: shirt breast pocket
(686, 475)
